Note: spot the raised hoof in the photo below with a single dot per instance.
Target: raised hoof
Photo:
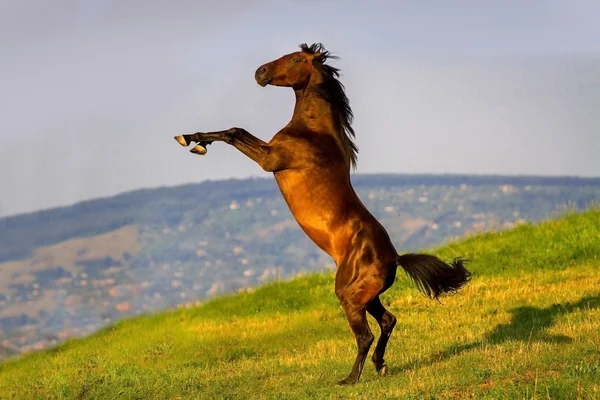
(181, 140)
(347, 381)
(200, 150)
(383, 371)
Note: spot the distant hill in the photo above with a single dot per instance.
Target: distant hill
(67, 271)
(526, 326)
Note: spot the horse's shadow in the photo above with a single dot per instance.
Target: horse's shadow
(528, 324)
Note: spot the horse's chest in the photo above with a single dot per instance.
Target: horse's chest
(310, 207)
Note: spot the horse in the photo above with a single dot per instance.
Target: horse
(311, 159)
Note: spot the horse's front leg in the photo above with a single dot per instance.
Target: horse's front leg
(254, 148)
(203, 139)
(199, 149)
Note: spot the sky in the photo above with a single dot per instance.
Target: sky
(93, 91)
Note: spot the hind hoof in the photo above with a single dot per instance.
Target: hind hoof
(347, 381)
(383, 371)
(181, 140)
(200, 150)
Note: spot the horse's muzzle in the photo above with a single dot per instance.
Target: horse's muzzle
(263, 75)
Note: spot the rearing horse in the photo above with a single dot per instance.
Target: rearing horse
(311, 158)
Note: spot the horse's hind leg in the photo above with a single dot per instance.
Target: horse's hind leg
(386, 322)
(357, 317)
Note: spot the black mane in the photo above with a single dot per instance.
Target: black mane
(332, 91)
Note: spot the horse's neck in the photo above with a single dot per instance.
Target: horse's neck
(314, 113)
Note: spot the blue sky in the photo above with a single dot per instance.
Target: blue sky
(94, 90)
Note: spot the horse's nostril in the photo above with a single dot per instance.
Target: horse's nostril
(263, 70)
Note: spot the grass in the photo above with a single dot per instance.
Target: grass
(526, 327)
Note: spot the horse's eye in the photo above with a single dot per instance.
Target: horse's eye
(296, 60)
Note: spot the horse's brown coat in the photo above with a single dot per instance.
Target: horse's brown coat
(311, 158)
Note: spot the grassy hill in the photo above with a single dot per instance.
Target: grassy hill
(68, 271)
(526, 326)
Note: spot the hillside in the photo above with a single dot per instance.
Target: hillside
(68, 271)
(526, 326)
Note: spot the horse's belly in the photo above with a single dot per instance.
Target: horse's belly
(313, 220)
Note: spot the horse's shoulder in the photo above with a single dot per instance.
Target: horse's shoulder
(288, 134)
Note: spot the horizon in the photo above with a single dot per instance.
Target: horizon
(592, 179)
(95, 90)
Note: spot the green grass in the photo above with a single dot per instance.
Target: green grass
(527, 326)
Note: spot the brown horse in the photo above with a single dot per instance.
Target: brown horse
(311, 158)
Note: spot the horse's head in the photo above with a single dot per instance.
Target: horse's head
(294, 70)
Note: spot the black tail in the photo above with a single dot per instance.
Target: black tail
(433, 276)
